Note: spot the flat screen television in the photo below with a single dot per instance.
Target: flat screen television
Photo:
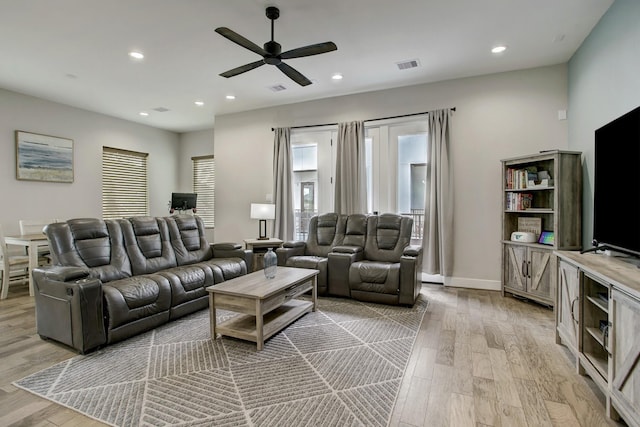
(183, 201)
(616, 200)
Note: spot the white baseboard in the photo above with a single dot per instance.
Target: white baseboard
(461, 282)
(432, 278)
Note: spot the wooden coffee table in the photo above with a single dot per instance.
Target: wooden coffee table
(266, 306)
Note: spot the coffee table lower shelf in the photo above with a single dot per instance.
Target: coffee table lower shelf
(244, 327)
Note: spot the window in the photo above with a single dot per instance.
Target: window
(313, 163)
(396, 168)
(124, 183)
(204, 184)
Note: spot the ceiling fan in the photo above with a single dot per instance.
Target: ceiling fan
(271, 53)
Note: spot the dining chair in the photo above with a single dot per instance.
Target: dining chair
(36, 226)
(10, 263)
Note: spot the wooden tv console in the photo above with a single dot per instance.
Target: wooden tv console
(598, 319)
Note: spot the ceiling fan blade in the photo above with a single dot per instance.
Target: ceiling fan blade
(238, 39)
(313, 49)
(242, 69)
(294, 74)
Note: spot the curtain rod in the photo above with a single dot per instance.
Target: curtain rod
(369, 120)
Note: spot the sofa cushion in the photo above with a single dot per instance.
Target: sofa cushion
(188, 239)
(325, 232)
(92, 243)
(371, 276)
(188, 282)
(226, 268)
(135, 304)
(148, 245)
(314, 263)
(387, 236)
(355, 230)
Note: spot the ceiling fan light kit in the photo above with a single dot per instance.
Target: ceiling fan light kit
(272, 52)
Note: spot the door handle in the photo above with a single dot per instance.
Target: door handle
(572, 304)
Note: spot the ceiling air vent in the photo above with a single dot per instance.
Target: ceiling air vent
(405, 65)
(161, 109)
(277, 88)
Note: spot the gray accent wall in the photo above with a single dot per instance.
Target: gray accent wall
(604, 83)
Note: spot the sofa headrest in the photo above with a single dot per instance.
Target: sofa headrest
(88, 228)
(145, 226)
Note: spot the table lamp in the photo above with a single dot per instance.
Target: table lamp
(263, 212)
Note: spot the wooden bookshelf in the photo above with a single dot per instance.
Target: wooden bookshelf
(529, 269)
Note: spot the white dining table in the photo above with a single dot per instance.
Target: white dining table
(33, 242)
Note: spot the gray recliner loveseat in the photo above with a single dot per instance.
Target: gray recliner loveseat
(365, 257)
(112, 279)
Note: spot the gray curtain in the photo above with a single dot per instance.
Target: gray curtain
(282, 185)
(437, 241)
(351, 185)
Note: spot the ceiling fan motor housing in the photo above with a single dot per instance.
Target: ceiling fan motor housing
(272, 51)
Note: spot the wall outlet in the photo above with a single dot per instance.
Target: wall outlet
(562, 114)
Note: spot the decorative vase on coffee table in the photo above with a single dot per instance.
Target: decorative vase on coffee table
(270, 264)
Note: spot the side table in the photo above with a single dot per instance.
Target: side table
(259, 247)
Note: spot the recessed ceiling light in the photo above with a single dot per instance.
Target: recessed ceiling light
(144, 113)
(230, 97)
(199, 103)
(337, 76)
(136, 55)
(498, 49)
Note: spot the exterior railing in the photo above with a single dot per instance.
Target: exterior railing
(301, 220)
(418, 222)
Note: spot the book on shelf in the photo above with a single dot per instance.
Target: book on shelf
(518, 201)
(528, 177)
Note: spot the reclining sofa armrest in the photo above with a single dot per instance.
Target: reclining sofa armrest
(65, 274)
(69, 307)
(294, 244)
(233, 250)
(340, 261)
(228, 246)
(410, 275)
(288, 250)
(412, 251)
(347, 250)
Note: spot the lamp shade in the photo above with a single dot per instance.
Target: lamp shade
(263, 211)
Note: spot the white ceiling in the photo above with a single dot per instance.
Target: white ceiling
(75, 51)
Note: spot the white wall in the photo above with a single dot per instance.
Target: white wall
(604, 83)
(192, 144)
(89, 131)
(498, 116)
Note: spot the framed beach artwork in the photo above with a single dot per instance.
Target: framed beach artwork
(43, 157)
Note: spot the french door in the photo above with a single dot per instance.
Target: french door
(313, 164)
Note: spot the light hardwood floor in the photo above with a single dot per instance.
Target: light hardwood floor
(479, 360)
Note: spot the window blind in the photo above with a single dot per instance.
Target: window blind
(124, 183)
(204, 183)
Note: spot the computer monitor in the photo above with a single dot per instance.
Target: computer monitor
(183, 201)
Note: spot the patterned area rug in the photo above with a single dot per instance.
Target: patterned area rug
(339, 366)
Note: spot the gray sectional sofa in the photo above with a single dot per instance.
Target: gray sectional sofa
(365, 257)
(112, 279)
